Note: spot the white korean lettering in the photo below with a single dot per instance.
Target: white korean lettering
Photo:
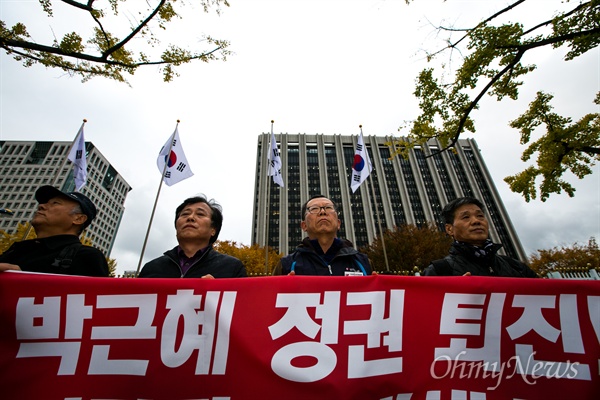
(100, 363)
(183, 306)
(325, 357)
(594, 313)
(532, 319)
(77, 313)
(143, 329)
(376, 327)
(451, 312)
(48, 313)
(297, 316)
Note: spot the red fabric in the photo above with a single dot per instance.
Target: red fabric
(376, 337)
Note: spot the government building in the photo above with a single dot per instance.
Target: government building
(25, 166)
(406, 191)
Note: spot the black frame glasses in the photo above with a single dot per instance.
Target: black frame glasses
(317, 209)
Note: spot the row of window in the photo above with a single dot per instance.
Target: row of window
(445, 169)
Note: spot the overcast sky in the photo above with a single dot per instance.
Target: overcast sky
(315, 67)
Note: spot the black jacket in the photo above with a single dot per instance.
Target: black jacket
(306, 261)
(211, 262)
(461, 261)
(44, 255)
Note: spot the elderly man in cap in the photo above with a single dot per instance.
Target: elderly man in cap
(58, 222)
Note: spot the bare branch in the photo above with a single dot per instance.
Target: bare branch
(134, 32)
(77, 4)
(484, 22)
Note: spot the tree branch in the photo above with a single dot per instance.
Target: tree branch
(123, 42)
(77, 4)
(552, 40)
(521, 49)
(485, 21)
(8, 43)
(563, 16)
(590, 150)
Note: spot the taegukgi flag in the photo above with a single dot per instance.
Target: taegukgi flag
(171, 154)
(78, 157)
(361, 167)
(274, 161)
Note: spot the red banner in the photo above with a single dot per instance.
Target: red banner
(376, 337)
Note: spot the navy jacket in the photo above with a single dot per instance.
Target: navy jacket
(306, 261)
(212, 262)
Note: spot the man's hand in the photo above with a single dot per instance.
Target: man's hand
(7, 267)
(208, 276)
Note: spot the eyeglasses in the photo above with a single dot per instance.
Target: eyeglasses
(317, 209)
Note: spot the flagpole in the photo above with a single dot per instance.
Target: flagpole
(58, 172)
(268, 207)
(162, 177)
(387, 266)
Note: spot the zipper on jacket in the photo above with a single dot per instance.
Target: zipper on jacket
(191, 266)
(196, 263)
(329, 266)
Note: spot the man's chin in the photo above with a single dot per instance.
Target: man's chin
(189, 235)
(326, 229)
(35, 221)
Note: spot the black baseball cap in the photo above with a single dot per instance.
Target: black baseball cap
(45, 193)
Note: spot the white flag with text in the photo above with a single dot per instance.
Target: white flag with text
(274, 161)
(171, 160)
(78, 157)
(361, 167)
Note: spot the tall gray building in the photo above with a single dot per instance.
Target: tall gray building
(25, 166)
(407, 191)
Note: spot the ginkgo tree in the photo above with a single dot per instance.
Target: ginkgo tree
(409, 248)
(491, 63)
(575, 257)
(253, 257)
(116, 37)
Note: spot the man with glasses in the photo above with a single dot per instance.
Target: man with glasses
(322, 252)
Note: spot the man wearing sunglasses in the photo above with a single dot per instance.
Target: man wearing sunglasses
(322, 252)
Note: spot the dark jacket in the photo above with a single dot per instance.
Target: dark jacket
(306, 261)
(461, 261)
(211, 262)
(60, 254)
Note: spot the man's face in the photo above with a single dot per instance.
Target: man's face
(56, 216)
(194, 223)
(469, 226)
(324, 221)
